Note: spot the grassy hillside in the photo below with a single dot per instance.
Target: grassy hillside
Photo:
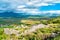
(30, 29)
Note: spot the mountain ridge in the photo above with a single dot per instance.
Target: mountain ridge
(25, 15)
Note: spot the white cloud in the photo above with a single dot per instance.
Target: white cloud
(36, 11)
(29, 11)
(52, 11)
(38, 3)
(26, 6)
(21, 6)
(42, 4)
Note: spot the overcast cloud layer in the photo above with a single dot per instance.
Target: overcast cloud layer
(30, 6)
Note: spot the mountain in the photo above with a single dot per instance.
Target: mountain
(25, 15)
(14, 15)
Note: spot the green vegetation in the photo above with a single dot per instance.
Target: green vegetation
(52, 28)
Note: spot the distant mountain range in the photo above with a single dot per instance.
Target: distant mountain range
(23, 15)
(11, 14)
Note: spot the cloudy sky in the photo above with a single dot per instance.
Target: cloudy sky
(30, 6)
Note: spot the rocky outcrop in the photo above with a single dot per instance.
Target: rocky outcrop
(10, 31)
